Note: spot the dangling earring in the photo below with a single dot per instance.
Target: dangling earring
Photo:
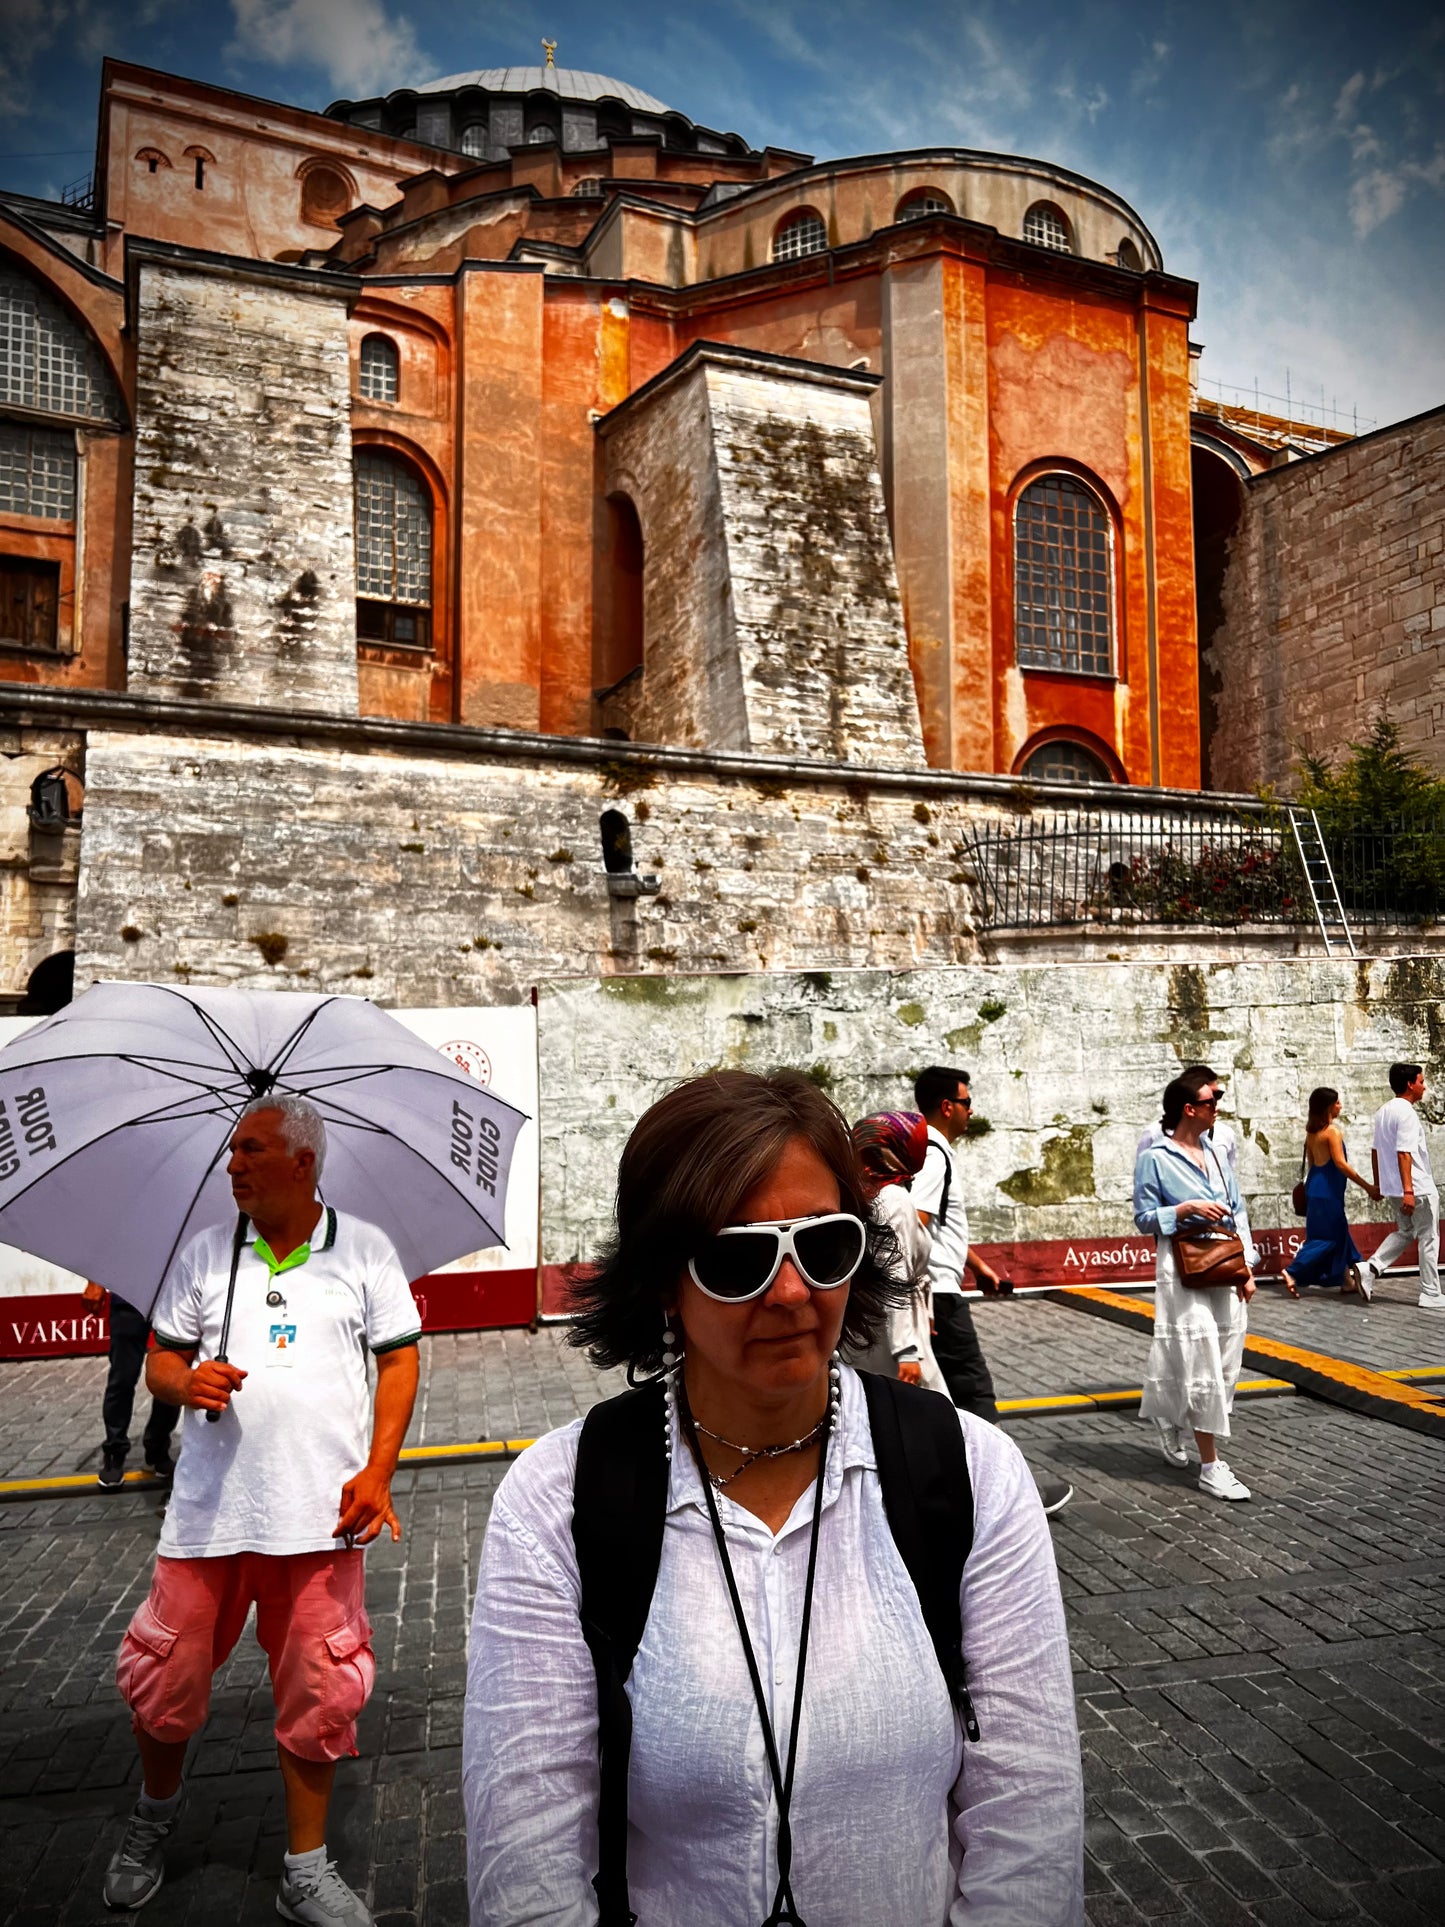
(671, 1363)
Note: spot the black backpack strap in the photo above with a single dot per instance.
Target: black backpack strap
(619, 1506)
(928, 1497)
(940, 1216)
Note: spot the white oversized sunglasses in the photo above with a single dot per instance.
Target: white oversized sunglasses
(742, 1260)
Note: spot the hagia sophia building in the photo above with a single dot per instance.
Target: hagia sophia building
(518, 408)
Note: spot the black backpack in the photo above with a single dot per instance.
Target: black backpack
(619, 1505)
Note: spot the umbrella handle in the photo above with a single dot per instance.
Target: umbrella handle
(214, 1418)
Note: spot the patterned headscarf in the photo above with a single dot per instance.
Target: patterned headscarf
(891, 1144)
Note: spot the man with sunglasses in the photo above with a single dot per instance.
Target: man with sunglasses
(942, 1094)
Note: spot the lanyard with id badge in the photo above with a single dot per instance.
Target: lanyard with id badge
(281, 1328)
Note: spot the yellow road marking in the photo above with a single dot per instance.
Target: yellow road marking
(1389, 1395)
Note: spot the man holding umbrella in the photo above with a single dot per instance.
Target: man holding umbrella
(263, 1329)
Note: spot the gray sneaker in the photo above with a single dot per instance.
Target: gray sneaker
(325, 1901)
(138, 1865)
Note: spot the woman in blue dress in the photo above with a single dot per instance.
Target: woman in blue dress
(1328, 1257)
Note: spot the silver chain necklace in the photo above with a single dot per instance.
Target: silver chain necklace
(751, 1454)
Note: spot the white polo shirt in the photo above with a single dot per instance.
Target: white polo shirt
(1398, 1128)
(950, 1238)
(268, 1476)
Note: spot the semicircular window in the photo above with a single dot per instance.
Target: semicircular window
(799, 235)
(1046, 227)
(1065, 762)
(48, 362)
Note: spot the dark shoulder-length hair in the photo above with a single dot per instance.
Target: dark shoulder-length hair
(1322, 1102)
(689, 1163)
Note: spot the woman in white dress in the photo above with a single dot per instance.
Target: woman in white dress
(1181, 1184)
(891, 1146)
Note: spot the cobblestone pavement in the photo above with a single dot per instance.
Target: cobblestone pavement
(1260, 1687)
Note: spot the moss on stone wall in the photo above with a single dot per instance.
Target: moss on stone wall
(1067, 1171)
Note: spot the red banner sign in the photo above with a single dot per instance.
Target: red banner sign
(63, 1325)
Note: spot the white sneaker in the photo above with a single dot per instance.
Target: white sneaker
(1220, 1483)
(1431, 1301)
(1171, 1442)
(323, 1901)
(1365, 1280)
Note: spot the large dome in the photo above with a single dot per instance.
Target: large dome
(570, 83)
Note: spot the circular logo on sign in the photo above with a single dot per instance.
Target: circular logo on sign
(471, 1058)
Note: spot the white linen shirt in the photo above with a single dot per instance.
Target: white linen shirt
(268, 1476)
(950, 1239)
(896, 1821)
(1398, 1128)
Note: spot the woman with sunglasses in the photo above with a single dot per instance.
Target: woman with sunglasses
(1181, 1183)
(795, 1754)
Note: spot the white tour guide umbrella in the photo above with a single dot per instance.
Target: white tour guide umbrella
(115, 1117)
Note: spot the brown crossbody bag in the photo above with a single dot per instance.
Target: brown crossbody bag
(1210, 1261)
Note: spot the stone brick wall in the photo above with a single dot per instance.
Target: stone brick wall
(462, 878)
(1068, 1062)
(1334, 602)
(772, 617)
(243, 570)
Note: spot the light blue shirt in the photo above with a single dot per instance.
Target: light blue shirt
(1166, 1177)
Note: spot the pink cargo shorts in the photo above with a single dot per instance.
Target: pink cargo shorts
(310, 1620)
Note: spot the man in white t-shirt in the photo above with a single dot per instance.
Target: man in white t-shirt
(944, 1098)
(1402, 1171)
(273, 1501)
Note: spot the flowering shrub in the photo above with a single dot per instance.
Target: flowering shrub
(1253, 880)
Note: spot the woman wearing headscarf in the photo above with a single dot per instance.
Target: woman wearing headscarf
(1181, 1184)
(891, 1146)
(797, 1754)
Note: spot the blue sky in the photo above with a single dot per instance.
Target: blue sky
(1290, 157)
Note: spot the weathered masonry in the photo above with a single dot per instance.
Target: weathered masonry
(1068, 1064)
(1334, 606)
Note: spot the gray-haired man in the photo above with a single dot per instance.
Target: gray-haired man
(271, 1504)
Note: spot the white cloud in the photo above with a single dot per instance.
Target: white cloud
(359, 46)
(1374, 196)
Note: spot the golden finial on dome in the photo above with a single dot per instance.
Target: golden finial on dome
(549, 47)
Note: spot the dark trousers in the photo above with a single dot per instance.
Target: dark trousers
(128, 1334)
(960, 1358)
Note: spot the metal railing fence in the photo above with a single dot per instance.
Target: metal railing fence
(1220, 868)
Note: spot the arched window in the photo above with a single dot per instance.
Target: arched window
(1130, 257)
(1046, 226)
(1065, 762)
(543, 131)
(588, 188)
(474, 140)
(393, 552)
(48, 362)
(923, 202)
(325, 196)
(799, 234)
(379, 377)
(153, 158)
(1062, 591)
